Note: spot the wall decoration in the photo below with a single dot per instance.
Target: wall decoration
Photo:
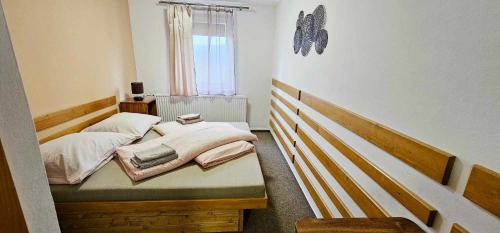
(300, 20)
(307, 34)
(297, 41)
(321, 41)
(310, 29)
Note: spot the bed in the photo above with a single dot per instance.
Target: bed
(188, 199)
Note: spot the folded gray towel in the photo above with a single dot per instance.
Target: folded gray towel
(152, 163)
(186, 122)
(153, 153)
(189, 116)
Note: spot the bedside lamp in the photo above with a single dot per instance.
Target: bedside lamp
(138, 91)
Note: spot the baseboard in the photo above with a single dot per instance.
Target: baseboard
(259, 128)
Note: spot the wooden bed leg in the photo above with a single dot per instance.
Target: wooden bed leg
(240, 225)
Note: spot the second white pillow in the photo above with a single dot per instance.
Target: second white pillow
(133, 124)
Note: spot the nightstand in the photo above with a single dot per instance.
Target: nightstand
(145, 106)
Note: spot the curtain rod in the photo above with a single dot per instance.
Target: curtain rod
(204, 5)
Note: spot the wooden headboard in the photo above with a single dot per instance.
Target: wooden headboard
(50, 120)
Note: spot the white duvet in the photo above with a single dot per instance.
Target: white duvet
(187, 143)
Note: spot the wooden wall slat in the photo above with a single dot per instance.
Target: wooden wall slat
(292, 91)
(483, 188)
(282, 142)
(284, 115)
(369, 206)
(289, 105)
(314, 193)
(79, 127)
(425, 212)
(344, 211)
(52, 119)
(357, 225)
(456, 228)
(431, 161)
(287, 134)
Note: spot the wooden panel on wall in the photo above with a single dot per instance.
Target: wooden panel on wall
(52, 119)
(287, 134)
(320, 203)
(431, 161)
(282, 142)
(11, 214)
(369, 206)
(341, 207)
(357, 225)
(289, 105)
(292, 91)
(483, 188)
(425, 212)
(283, 115)
(456, 228)
(79, 127)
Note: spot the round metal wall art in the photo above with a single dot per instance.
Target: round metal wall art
(307, 34)
(321, 41)
(319, 15)
(300, 20)
(297, 41)
(310, 30)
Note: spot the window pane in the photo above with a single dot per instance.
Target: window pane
(200, 46)
(213, 46)
(211, 61)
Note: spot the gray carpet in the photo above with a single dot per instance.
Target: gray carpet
(286, 202)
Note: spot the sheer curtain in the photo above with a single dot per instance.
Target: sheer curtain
(182, 66)
(214, 54)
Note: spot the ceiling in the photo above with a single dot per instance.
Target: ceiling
(239, 2)
(263, 2)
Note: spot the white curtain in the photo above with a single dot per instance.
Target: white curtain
(180, 37)
(214, 43)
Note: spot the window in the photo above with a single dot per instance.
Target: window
(213, 45)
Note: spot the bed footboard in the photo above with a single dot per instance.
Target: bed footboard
(155, 221)
(213, 215)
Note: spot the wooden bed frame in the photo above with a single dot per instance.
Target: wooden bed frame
(200, 215)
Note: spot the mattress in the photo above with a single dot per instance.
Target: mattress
(239, 178)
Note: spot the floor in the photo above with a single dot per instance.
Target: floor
(286, 202)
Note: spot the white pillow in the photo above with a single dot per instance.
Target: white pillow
(71, 158)
(133, 124)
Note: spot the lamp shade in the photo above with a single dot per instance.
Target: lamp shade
(137, 88)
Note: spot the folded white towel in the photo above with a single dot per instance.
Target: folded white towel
(191, 116)
(186, 122)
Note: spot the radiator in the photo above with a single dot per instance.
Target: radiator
(212, 108)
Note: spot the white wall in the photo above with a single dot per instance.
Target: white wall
(255, 61)
(149, 37)
(20, 143)
(76, 56)
(428, 69)
(254, 53)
